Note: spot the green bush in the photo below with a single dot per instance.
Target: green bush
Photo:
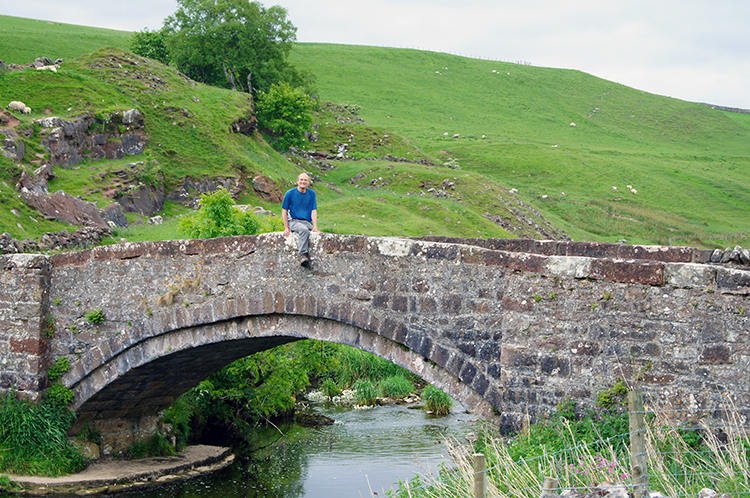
(218, 217)
(366, 394)
(396, 386)
(436, 400)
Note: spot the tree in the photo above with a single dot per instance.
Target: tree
(232, 43)
(151, 44)
(285, 113)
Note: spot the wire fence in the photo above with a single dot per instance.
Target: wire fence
(664, 454)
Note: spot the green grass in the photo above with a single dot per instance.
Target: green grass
(436, 400)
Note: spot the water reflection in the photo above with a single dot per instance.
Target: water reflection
(365, 449)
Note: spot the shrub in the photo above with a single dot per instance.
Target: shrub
(396, 386)
(366, 393)
(436, 400)
(218, 217)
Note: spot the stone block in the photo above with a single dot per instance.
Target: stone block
(690, 275)
(628, 271)
(568, 266)
(731, 281)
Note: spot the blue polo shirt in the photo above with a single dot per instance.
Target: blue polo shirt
(299, 205)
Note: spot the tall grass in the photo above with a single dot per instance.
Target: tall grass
(679, 463)
(33, 438)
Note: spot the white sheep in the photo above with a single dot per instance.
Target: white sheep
(16, 105)
(51, 68)
(635, 192)
(456, 135)
(27, 110)
(614, 188)
(445, 134)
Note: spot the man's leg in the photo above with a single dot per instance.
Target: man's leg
(303, 229)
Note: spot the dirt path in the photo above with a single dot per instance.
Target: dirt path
(110, 475)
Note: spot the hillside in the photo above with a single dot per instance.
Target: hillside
(688, 163)
(517, 159)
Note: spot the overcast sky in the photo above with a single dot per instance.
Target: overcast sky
(693, 50)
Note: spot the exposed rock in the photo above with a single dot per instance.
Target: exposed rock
(12, 147)
(266, 189)
(7, 119)
(83, 237)
(60, 205)
(145, 200)
(246, 126)
(64, 207)
(114, 216)
(312, 419)
(190, 190)
(69, 142)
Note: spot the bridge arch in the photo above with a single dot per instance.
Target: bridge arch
(147, 377)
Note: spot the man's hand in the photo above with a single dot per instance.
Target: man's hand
(287, 232)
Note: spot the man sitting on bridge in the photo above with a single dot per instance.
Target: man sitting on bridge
(299, 211)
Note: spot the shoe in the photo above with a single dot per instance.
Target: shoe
(304, 260)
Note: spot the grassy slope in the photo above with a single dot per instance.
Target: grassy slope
(688, 163)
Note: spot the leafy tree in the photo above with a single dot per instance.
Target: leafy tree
(151, 44)
(232, 43)
(219, 217)
(285, 113)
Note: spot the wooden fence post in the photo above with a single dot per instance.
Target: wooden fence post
(638, 457)
(549, 487)
(480, 476)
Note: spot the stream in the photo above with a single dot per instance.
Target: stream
(364, 450)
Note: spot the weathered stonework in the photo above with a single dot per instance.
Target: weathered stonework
(506, 327)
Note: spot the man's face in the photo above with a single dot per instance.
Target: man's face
(303, 181)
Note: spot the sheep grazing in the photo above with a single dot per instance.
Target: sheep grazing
(50, 68)
(27, 110)
(16, 105)
(635, 192)
(456, 135)
(614, 188)
(445, 134)
(573, 125)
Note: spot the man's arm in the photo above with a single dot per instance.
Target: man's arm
(314, 216)
(285, 219)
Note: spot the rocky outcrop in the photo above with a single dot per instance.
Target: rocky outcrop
(145, 200)
(81, 238)
(121, 134)
(189, 192)
(11, 146)
(60, 205)
(266, 189)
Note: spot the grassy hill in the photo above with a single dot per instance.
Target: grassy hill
(688, 163)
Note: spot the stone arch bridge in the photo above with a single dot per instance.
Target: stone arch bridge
(508, 327)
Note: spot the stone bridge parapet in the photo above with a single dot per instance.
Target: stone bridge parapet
(508, 327)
